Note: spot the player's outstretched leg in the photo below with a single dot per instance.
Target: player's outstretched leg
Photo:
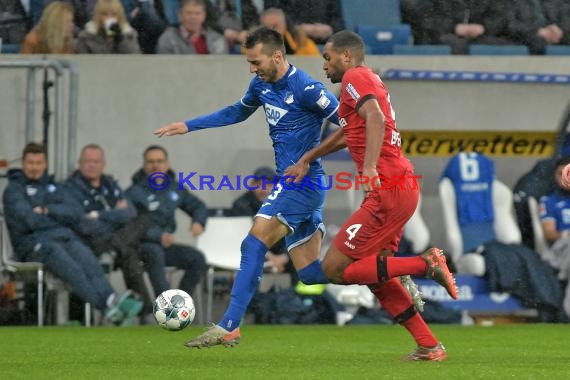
(227, 332)
(377, 268)
(213, 336)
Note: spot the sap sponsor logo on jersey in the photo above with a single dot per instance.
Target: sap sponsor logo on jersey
(352, 91)
(273, 114)
(323, 101)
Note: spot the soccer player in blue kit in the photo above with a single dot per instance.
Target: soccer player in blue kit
(295, 106)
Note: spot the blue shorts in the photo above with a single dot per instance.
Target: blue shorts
(298, 207)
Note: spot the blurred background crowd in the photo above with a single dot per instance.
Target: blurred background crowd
(219, 26)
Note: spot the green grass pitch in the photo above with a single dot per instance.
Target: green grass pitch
(522, 351)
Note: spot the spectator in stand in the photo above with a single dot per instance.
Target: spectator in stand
(534, 23)
(108, 32)
(147, 18)
(54, 32)
(459, 23)
(194, 35)
(554, 211)
(318, 18)
(36, 216)
(236, 17)
(159, 248)
(557, 20)
(276, 259)
(296, 41)
(108, 222)
(13, 21)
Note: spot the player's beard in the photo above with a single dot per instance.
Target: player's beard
(269, 75)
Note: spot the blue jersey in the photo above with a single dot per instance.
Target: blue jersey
(555, 206)
(294, 106)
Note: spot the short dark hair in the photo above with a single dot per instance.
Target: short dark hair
(92, 146)
(34, 148)
(155, 147)
(271, 39)
(347, 40)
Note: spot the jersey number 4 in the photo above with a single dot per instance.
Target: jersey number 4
(352, 230)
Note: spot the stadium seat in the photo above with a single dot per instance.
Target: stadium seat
(381, 39)
(540, 244)
(21, 269)
(372, 12)
(422, 50)
(557, 50)
(416, 230)
(221, 243)
(10, 49)
(498, 50)
(464, 240)
(171, 8)
(11, 264)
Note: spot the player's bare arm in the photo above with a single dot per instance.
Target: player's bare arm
(370, 111)
(177, 128)
(331, 144)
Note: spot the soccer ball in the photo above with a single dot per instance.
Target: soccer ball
(174, 310)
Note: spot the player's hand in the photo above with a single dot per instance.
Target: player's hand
(565, 178)
(196, 229)
(167, 240)
(178, 128)
(374, 181)
(296, 173)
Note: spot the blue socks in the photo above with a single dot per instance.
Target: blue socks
(246, 282)
(312, 274)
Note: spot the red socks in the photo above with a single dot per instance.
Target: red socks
(376, 268)
(398, 303)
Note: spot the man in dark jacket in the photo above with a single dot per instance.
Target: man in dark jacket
(108, 222)
(36, 212)
(160, 203)
(459, 23)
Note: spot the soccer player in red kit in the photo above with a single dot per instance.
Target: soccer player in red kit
(362, 251)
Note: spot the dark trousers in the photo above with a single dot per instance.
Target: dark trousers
(74, 263)
(184, 257)
(126, 242)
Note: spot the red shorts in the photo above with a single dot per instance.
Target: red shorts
(378, 224)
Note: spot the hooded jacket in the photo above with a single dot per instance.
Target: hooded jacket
(103, 200)
(28, 229)
(161, 205)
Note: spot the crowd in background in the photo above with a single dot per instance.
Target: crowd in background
(220, 26)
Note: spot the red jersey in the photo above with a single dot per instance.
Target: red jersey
(358, 85)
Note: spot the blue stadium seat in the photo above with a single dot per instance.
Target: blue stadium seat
(498, 50)
(370, 12)
(557, 50)
(171, 8)
(381, 39)
(10, 48)
(422, 49)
